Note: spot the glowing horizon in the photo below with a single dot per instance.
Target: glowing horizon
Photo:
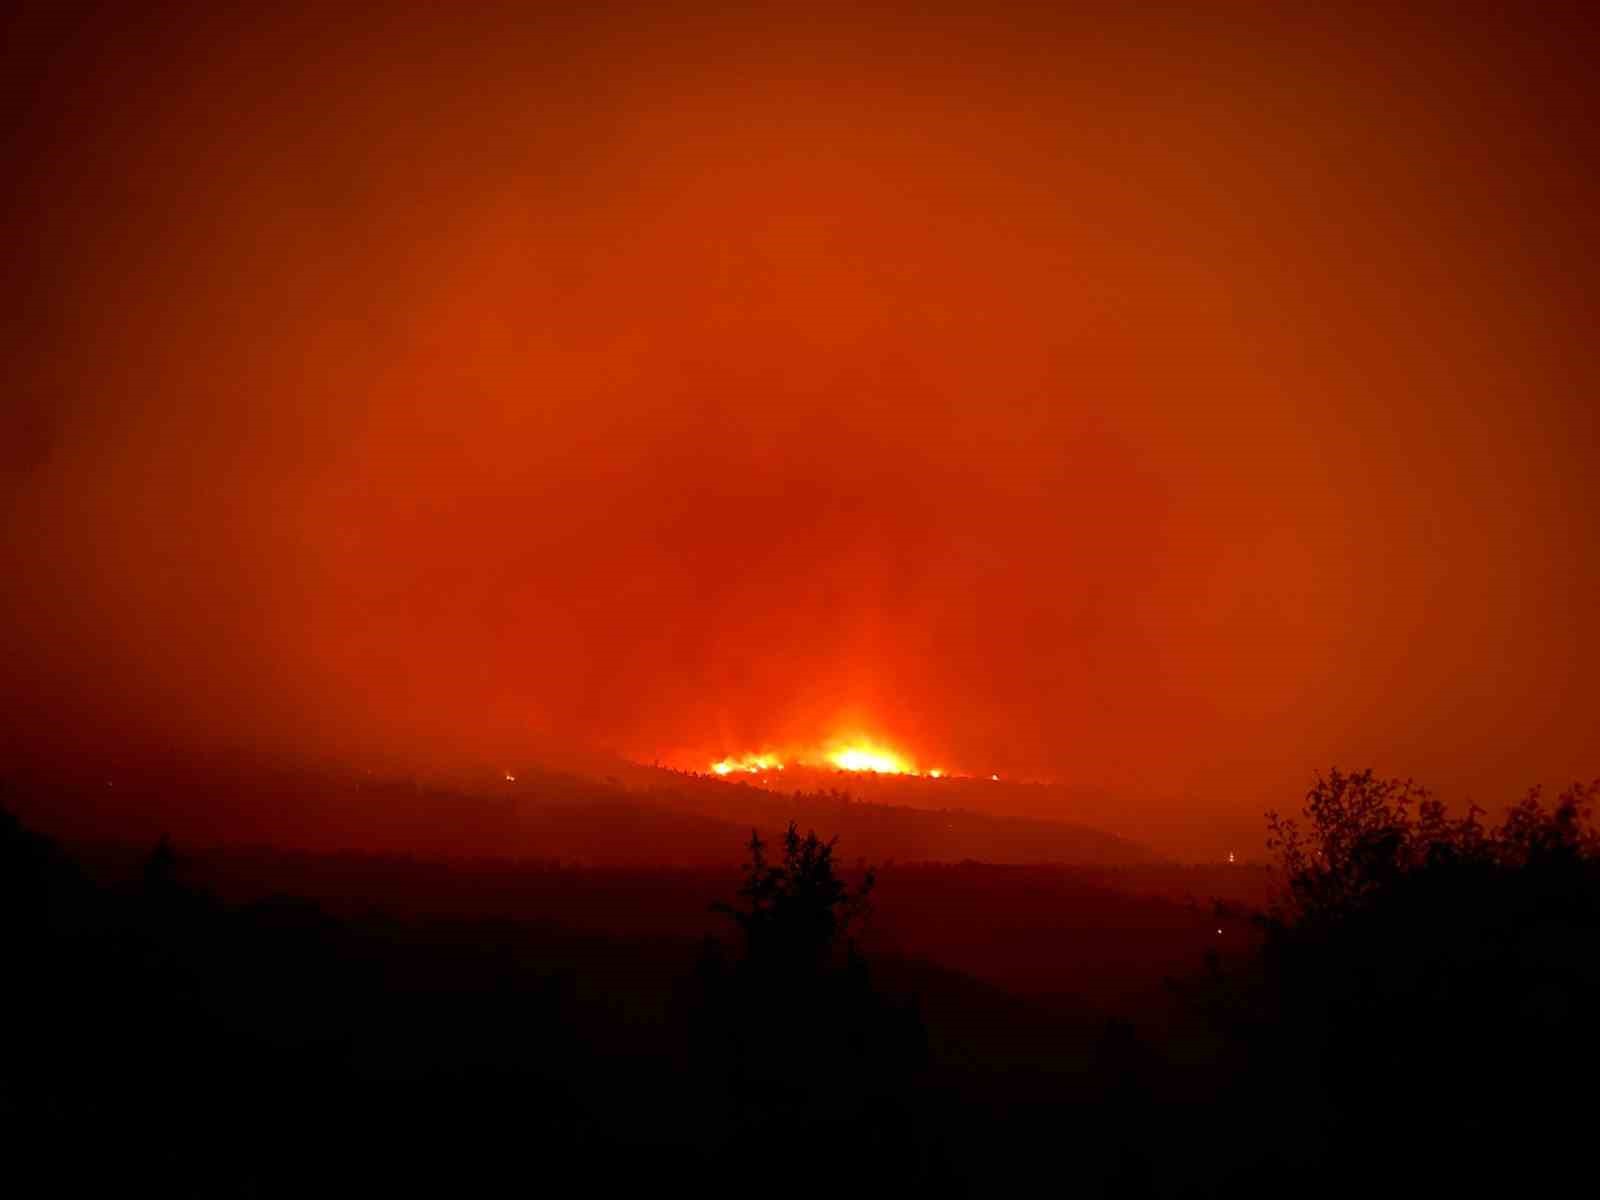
(749, 764)
(867, 756)
(855, 754)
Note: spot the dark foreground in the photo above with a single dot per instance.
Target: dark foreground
(1418, 1017)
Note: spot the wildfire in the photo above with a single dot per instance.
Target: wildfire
(750, 764)
(870, 758)
(848, 751)
(845, 753)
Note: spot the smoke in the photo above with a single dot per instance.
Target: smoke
(1169, 406)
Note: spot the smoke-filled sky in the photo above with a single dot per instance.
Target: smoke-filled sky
(1163, 401)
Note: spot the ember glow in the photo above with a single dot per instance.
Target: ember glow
(853, 754)
(870, 758)
(750, 764)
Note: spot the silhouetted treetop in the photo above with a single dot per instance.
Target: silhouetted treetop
(1361, 835)
(798, 910)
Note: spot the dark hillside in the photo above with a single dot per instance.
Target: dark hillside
(523, 813)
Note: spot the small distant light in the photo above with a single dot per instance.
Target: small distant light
(510, 778)
(1219, 933)
(1230, 855)
(996, 778)
(935, 774)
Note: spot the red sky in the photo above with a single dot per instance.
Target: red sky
(1161, 402)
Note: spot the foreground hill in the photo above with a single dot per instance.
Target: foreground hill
(328, 1024)
(1086, 938)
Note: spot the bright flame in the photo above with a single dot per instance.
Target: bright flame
(936, 774)
(842, 754)
(750, 764)
(870, 758)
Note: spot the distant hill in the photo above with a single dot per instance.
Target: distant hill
(1164, 824)
(891, 816)
(637, 816)
(877, 831)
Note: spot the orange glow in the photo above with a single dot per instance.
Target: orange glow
(769, 397)
(749, 764)
(870, 758)
(841, 754)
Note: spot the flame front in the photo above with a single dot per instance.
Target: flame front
(870, 758)
(842, 754)
(749, 764)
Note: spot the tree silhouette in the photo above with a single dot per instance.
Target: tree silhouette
(807, 1045)
(1364, 836)
(1422, 982)
(160, 870)
(797, 914)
